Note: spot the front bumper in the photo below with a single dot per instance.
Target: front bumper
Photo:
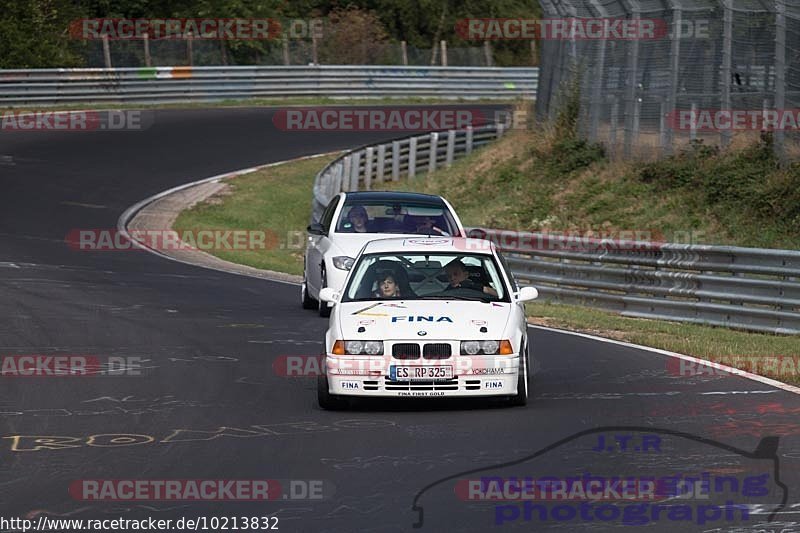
(473, 376)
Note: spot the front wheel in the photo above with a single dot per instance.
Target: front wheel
(521, 398)
(307, 301)
(326, 400)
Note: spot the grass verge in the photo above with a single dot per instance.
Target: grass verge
(275, 200)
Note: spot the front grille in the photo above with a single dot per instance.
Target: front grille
(436, 351)
(405, 351)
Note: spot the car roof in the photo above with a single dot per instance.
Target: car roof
(389, 196)
(433, 245)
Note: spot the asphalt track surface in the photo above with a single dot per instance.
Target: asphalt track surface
(210, 405)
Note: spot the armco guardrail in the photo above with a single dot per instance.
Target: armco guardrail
(369, 166)
(188, 84)
(745, 288)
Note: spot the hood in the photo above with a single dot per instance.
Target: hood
(350, 244)
(440, 319)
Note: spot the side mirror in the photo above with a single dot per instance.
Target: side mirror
(526, 294)
(316, 229)
(329, 294)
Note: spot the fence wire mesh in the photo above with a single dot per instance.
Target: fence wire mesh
(715, 71)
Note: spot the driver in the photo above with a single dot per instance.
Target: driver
(458, 276)
(427, 226)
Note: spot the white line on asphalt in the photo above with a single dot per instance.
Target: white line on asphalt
(718, 366)
(127, 216)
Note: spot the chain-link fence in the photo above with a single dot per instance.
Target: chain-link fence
(719, 71)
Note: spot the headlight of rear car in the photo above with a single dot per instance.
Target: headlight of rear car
(342, 262)
(358, 348)
(486, 347)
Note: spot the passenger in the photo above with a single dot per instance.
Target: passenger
(458, 276)
(387, 286)
(359, 219)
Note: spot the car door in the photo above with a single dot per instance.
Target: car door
(317, 246)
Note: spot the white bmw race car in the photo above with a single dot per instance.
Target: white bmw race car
(426, 317)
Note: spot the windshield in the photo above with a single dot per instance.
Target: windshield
(423, 276)
(396, 217)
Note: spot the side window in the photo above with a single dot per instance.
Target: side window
(504, 265)
(327, 216)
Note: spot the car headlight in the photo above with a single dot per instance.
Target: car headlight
(342, 262)
(358, 348)
(486, 347)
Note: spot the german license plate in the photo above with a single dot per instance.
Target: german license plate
(420, 373)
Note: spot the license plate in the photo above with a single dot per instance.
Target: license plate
(420, 373)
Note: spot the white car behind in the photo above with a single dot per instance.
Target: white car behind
(334, 241)
(443, 336)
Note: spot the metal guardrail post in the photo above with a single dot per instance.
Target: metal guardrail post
(433, 152)
(412, 157)
(348, 163)
(780, 75)
(381, 166)
(354, 170)
(368, 168)
(725, 73)
(395, 160)
(451, 144)
(468, 145)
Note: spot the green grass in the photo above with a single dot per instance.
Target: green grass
(534, 181)
(276, 200)
(705, 342)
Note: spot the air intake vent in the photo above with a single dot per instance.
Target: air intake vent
(405, 351)
(436, 351)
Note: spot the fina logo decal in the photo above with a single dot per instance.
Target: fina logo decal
(419, 318)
